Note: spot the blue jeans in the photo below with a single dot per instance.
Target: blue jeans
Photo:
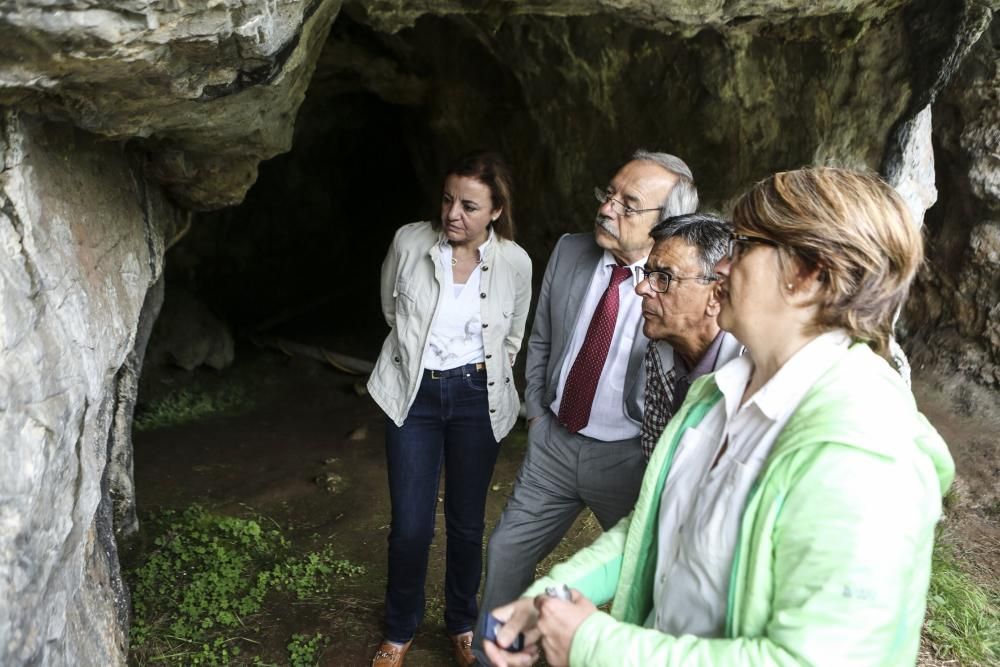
(449, 425)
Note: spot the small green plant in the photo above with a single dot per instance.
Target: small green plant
(190, 404)
(963, 618)
(304, 651)
(196, 592)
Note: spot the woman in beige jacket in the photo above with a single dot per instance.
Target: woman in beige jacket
(455, 293)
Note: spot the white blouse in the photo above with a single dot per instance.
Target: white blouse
(701, 507)
(456, 335)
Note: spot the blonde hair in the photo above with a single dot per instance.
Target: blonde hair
(851, 226)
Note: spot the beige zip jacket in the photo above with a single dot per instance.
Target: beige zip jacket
(411, 286)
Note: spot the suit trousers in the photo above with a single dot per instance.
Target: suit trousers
(561, 474)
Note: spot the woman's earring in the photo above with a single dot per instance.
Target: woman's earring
(789, 286)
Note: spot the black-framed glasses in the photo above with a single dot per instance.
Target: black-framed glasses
(738, 243)
(659, 281)
(620, 208)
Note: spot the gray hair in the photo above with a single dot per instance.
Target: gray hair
(705, 231)
(683, 197)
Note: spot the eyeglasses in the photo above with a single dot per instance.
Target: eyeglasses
(738, 241)
(659, 281)
(619, 207)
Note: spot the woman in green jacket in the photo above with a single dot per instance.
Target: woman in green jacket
(787, 514)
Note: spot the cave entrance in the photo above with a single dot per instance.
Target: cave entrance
(289, 441)
(565, 100)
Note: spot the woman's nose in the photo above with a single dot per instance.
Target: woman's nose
(722, 266)
(454, 211)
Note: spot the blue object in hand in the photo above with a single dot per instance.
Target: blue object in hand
(493, 624)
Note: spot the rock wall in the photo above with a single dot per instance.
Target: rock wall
(953, 315)
(212, 87)
(81, 241)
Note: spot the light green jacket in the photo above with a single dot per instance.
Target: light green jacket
(411, 287)
(833, 559)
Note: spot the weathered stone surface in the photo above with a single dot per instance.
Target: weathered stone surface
(81, 240)
(187, 334)
(953, 313)
(213, 86)
(678, 15)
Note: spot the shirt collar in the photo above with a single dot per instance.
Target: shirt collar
(705, 365)
(608, 261)
(783, 392)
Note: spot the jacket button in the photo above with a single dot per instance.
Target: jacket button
(489, 356)
(396, 359)
(482, 295)
(490, 383)
(486, 268)
(492, 410)
(506, 380)
(485, 325)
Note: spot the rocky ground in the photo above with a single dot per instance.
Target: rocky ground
(309, 429)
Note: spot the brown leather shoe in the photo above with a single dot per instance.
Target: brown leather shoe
(390, 655)
(461, 648)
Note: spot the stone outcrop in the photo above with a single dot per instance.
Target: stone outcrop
(212, 88)
(954, 311)
(81, 241)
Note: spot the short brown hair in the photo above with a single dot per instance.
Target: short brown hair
(489, 169)
(855, 229)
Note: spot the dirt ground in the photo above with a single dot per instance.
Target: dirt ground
(309, 421)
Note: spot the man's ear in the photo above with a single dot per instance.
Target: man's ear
(713, 306)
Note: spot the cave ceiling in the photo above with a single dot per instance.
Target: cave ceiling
(208, 91)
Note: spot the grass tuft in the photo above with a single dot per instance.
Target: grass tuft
(963, 618)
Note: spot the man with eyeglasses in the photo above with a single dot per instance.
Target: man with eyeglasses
(680, 304)
(585, 377)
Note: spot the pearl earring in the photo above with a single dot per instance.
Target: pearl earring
(789, 286)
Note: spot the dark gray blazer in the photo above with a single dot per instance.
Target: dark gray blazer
(564, 287)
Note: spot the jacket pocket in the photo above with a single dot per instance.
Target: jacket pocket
(406, 298)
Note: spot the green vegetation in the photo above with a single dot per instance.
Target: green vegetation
(191, 404)
(963, 618)
(198, 591)
(304, 651)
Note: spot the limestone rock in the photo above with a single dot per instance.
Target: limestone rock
(953, 313)
(81, 240)
(187, 334)
(214, 87)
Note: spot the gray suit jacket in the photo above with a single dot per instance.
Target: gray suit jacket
(564, 287)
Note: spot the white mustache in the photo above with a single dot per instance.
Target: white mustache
(605, 223)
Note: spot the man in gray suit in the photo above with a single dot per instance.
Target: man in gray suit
(585, 376)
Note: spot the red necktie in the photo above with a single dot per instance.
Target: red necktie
(581, 383)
